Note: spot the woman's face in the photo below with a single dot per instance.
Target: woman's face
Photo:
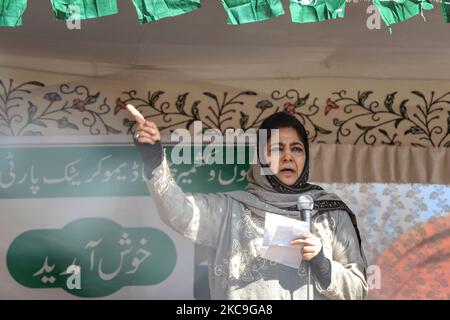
(286, 156)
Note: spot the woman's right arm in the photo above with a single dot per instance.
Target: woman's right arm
(198, 217)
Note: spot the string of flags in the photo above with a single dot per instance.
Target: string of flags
(238, 11)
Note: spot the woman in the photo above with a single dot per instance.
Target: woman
(232, 224)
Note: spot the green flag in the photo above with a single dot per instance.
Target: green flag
(245, 11)
(11, 12)
(395, 11)
(446, 10)
(83, 9)
(316, 10)
(151, 10)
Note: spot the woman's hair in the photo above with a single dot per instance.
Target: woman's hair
(284, 119)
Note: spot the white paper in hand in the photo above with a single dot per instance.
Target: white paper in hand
(279, 231)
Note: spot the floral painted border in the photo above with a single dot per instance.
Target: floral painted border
(421, 120)
(359, 120)
(65, 108)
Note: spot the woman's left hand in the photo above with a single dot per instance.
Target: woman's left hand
(311, 246)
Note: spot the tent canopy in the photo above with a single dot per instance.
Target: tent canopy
(200, 45)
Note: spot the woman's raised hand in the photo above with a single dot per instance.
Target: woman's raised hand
(146, 131)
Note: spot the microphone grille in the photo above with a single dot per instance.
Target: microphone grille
(305, 201)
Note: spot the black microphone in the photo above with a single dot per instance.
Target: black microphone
(305, 204)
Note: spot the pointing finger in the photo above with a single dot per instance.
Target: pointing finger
(136, 114)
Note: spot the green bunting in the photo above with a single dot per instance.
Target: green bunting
(238, 11)
(245, 11)
(446, 10)
(395, 11)
(151, 10)
(11, 12)
(83, 9)
(303, 11)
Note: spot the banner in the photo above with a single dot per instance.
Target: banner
(88, 207)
